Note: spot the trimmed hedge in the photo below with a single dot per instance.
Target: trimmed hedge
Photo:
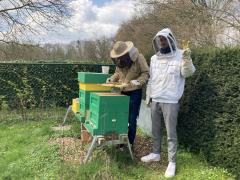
(209, 120)
(42, 84)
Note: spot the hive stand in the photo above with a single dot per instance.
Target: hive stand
(100, 140)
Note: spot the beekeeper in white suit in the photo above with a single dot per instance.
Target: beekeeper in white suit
(168, 69)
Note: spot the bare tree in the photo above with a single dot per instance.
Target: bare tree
(96, 51)
(226, 13)
(19, 17)
(72, 53)
(90, 51)
(200, 21)
(187, 21)
(103, 48)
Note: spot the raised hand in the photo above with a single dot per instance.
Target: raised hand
(186, 49)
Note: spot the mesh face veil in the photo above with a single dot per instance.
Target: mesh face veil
(123, 61)
(164, 43)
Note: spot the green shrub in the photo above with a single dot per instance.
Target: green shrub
(41, 85)
(209, 120)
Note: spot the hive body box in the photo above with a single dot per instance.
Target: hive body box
(101, 112)
(108, 114)
(92, 78)
(90, 82)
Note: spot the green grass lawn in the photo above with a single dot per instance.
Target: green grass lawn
(25, 153)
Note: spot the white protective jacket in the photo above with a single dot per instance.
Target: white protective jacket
(168, 72)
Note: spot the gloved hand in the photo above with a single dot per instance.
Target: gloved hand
(122, 86)
(135, 82)
(109, 80)
(186, 53)
(186, 49)
(187, 68)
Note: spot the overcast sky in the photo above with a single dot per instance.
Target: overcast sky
(91, 19)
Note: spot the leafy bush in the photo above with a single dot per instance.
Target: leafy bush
(41, 85)
(209, 120)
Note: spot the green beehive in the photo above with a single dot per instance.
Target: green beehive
(108, 114)
(89, 82)
(84, 97)
(93, 78)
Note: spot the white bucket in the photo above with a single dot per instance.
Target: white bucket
(105, 69)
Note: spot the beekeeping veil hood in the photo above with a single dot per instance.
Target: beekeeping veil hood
(172, 44)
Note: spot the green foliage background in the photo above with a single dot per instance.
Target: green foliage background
(209, 120)
(46, 84)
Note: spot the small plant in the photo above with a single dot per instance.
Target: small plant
(24, 94)
(3, 103)
(25, 97)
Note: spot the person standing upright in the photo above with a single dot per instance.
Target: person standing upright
(168, 69)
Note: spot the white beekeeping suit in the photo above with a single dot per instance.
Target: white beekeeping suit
(168, 70)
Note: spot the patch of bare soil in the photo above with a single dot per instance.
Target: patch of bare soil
(142, 147)
(73, 150)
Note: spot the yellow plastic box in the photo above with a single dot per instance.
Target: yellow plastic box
(75, 105)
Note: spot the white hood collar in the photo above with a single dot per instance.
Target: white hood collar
(167, 33)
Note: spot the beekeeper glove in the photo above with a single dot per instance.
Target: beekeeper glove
(135, 82)
(186, 50)
(186, 53)
(148, 96)
(109, 80)
(122, 86)
(187, 67)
